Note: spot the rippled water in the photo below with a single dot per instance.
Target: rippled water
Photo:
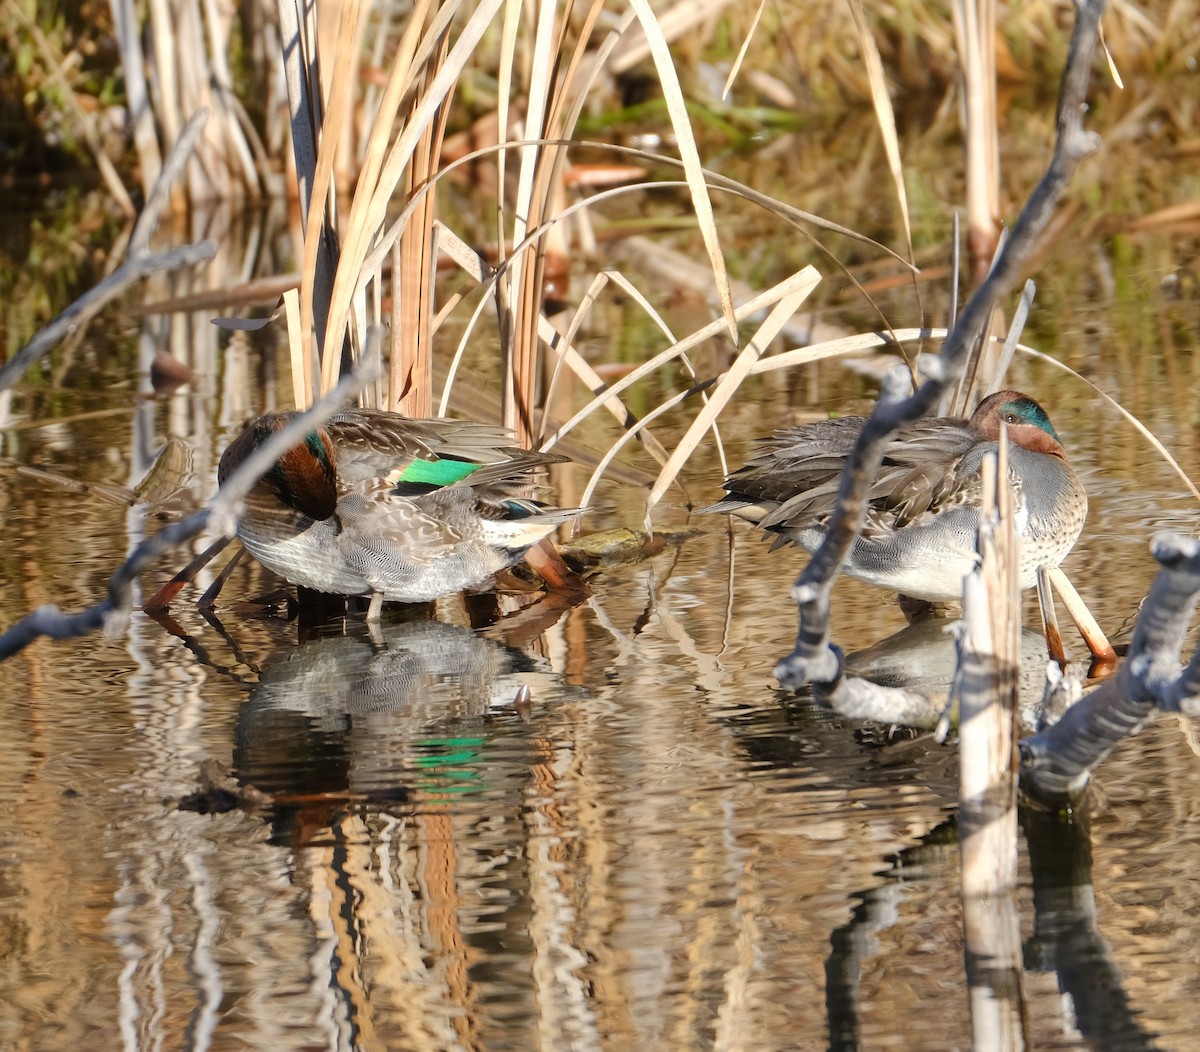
(658, 849)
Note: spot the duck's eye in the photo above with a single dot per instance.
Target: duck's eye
(1011, 418)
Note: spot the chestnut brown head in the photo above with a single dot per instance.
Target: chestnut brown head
(304, 478)
(1028, 425)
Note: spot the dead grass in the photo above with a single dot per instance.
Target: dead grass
(376, 98)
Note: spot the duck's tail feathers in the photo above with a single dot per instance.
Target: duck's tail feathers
(750, 510)
(525, 523)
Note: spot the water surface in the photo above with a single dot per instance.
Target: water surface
(658, 849)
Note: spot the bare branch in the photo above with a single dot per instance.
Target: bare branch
(812, 659)
(221, 513)
(95, 299)
(1056, 764)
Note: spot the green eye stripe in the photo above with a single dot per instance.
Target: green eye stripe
(1034, 414)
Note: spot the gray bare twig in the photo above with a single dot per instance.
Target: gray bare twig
(1055, 764)
(221, 514)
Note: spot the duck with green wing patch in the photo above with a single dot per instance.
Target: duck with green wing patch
(377, 504)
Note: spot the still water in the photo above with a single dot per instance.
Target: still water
(657, 848)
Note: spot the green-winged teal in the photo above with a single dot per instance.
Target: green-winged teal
(923, 517)
(377, 504)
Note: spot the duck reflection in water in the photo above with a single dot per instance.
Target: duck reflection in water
(923, 657)
(344, 719)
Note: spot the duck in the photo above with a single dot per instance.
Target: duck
(919, 538)
(400, 509)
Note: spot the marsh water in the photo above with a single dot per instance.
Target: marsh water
(655, 848)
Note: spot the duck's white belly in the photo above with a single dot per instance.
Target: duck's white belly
(327, 559)
(925, 562)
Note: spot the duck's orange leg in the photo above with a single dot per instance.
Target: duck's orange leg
(1103, 654)
(161, 599)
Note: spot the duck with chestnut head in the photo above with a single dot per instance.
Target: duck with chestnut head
(919, 538)
(374, 503)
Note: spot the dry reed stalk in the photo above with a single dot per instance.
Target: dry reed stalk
(137, 93)
(372, 195)
(518, 291)
(988, 692)
(302, 72)
(886, 119)
(555, 99)
(334, 311)
(555, 92)
(885, 115)
(504, 116)
(303, 365)
(411, 378)
(778, 316)
(188, 46)
(320, 221)
(763, 301)
(671, 24)
(975, 36)
(736, 66)
(690, 156)
(406, 374)
(555, 104)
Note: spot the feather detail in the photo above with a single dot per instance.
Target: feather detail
(923, 507)
(375, 503)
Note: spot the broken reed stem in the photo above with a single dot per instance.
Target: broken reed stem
(975, 32)
(987, 812)
(987, 692)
